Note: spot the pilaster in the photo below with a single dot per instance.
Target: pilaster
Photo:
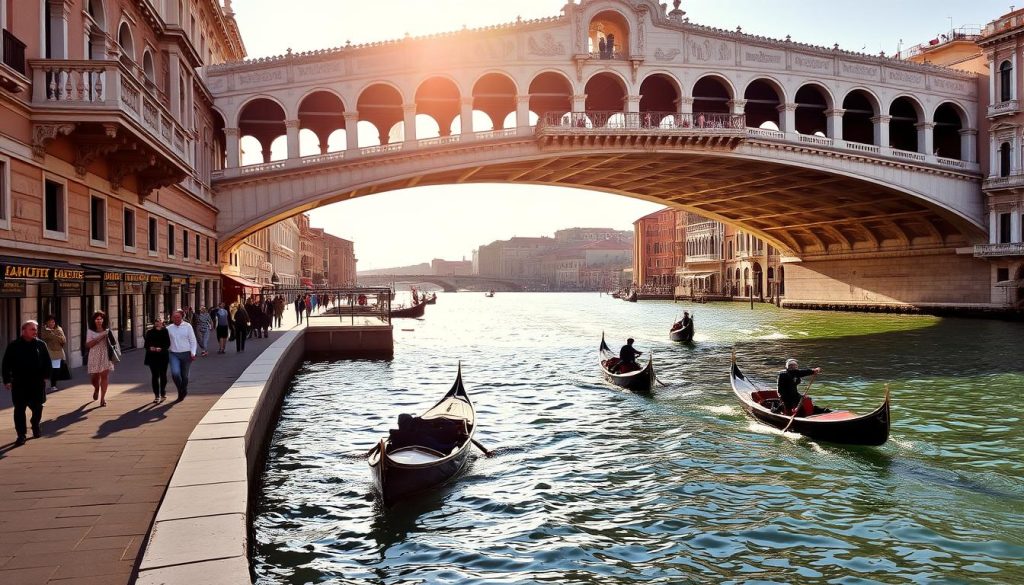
(292, 134)
(926, 137)
(834, 119)
(351, 130)
(881, 130)
(787, 117)
(466, 118)
(969, 145)
(232, 148)
(409, 123)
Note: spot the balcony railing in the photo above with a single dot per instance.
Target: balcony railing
(995, 250)
(1002, 108)
(609, 120)
(84, 87)
(1015, 180)
(14, 52)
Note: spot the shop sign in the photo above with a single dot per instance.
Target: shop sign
(68, 288)
(111, 287)
(42, 272)
(12, 289)
(132, 288)
(179, 280)
(109, 276)
(137, 277)
(155, 280)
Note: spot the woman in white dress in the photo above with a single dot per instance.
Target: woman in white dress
(99, 361)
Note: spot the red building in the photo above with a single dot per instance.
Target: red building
(654, 257)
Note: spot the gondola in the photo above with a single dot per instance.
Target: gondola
(641, 381)
(683, 334)
(432, 300)
(631, 297)
(489, 294)
(417, 310)
(429, 451)
(838, 426)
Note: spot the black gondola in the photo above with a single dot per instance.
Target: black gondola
(432, 300)
(412, 312)
(429, 451)
(682, 334)
(631, 297)
(641, 380)
(838, 426)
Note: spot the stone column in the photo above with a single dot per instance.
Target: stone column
(233, 150)
(59, 13)
(632, 109)
(1015, 235)
(579, 102)
(737, 109)
(993, 156)
(992, 81)
(1014, 156)
(881, 130)
(787, 118)
(292, 135)
(969, 145)
(409, 125)
(926, 137)
(1015, 75)
(993, 226)
(466, 118)
(522, 114)
(351, 130)
(174, 68)
(834, 119)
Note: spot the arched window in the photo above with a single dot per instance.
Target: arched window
(124, 38)
(147, 68)
(1005, 81)
(1004, 160)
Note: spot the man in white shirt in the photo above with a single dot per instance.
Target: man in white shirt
(182, 351)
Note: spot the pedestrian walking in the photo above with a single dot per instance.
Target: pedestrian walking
(53, 336)
(223, 323)
(278, 311)
(203, 324)
(300, 306)
(158, 343)
(241, 321)
(309, 307)
(97, 341)
(182, 351)
(26, 365)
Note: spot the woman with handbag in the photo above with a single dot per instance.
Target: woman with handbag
(55, 340)
(158, 343)
(98, 342)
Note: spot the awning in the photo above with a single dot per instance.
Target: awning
(696, 275)
(12, 267)
(1011, 283)
(242, 283)
(115, 274)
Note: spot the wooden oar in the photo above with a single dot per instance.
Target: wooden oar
(482, 448)
(797, 409)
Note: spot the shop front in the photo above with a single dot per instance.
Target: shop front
(236, 287)
(35, 289)
(176, 289)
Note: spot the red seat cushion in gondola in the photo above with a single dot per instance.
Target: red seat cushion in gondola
(834, 415)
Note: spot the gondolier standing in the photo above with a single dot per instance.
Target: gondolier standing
(26, 366)
(789, 379)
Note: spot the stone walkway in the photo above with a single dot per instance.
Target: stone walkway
(77, 503)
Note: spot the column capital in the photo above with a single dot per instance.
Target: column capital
(788, 107)
(467, 100)
(523, 99)
(883, 119)
(925, 125)
(737, 103)
(969, 132)
(291, 124)
(232, 132)
(633, 99)
(835, 112)
(352, 116)
(409, 109)
(686, 101)
(580, 96)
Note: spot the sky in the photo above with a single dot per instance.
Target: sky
(463, 217)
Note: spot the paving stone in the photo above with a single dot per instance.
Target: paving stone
(219, 431)
(204, 500)
(213, 449)
(233, 571)
(192, 540)
(213, 471)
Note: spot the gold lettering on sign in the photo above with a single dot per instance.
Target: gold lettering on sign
(135, 277)
(68, 274)
(26, 272)
(111, 276)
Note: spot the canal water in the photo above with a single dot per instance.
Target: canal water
(591, 484)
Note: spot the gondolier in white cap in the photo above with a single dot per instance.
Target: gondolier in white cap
(789, 379)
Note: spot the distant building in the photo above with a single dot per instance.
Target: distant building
(584, 235)
(451, 267)
(654, 244)
(341, 261)
(312, 254)
(284, 253)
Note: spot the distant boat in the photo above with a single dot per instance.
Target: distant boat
(417, 310)
(429, 451)
(641, 381)
(631, 297)
(489, 294)
(682, 334)
(432, 300)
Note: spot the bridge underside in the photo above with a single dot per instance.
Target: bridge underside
(804, 211)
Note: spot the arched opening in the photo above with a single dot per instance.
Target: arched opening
(605, 93)
(746, 282)
(381, 105)
(440, 99)
(127, 44)
(321, 113)
(550, 96)
(218, 145)
(608, 37)
(1004, 159)
(903, 124)
(949, 122)
(858, 111)
(711, 96)
(811, 104)
(1005, 81)
(763, 100)
(495, 94)
(148, 69)
(782, 281)
(758, 281)
(262, 120)
(96, 31)
(659, 98)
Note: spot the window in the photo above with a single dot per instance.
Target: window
(197, 247)
(98, 220)
(153, 246)
(207, 249)
(1004, 160)
(1005, 81)
(56, 211)
(5, 192)
(184, 244)
(170, 240)
(129, 228)
(1002, 274)
(1004, 228)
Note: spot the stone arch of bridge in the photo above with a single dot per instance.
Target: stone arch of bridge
(496, 94)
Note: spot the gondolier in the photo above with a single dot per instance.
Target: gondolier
(627, 357)
(788, 381)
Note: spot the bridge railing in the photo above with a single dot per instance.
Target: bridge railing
(657, 121)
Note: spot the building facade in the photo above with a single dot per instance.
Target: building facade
(654, 257)
(341, 261)
(284, 253)
(451, 267)
(107, 144)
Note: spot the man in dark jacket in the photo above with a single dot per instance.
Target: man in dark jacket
(789, 379)
(627, 358)
(26, 366)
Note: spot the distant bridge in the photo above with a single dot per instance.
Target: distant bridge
(450, 283)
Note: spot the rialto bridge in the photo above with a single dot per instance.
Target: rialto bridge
(862, 170)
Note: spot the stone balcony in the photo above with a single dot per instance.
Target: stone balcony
(1004, 108)
(998, 250)
(1014, 181)
(664, 129)
(106, 112)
